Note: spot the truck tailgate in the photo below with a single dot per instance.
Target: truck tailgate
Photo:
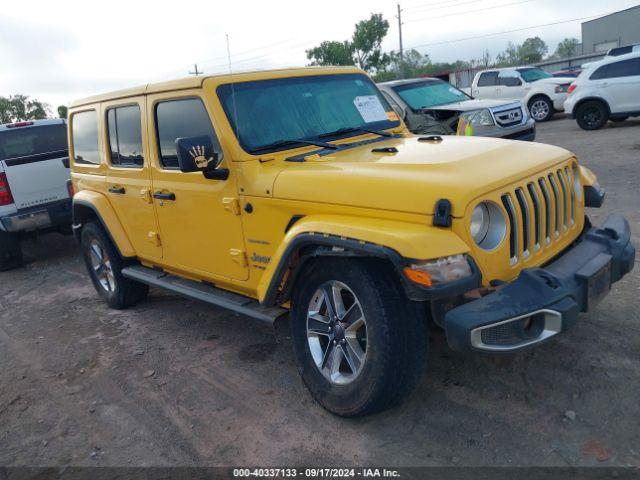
(36, 181)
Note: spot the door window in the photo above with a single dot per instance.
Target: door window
(125, 136)
(181, 118)
(625, 68)
(84, 134)
(488, 79)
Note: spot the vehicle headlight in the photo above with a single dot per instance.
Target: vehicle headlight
(562, 88)
(577, 186)
(488, 226)
(481, 118)
(438, 271)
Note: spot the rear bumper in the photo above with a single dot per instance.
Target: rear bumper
(38, 218)
(543, 302)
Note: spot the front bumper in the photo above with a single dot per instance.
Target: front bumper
(543, 302)
(41, 217)
(558, 101)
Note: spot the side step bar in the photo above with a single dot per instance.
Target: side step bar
(204, 292)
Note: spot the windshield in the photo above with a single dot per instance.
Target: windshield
(25, 142)
(533, 74)
(270, 115)
(430, 93)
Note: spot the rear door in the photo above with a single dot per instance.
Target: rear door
(129, 174)
(487, 85)
(33, 161)
(619, 84)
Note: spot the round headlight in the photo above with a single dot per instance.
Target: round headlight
(488, 225)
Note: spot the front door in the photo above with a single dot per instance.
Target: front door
(129, 175)
(200, 225)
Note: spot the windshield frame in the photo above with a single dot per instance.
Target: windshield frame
(522, 73)
(225, 89)
(435, 81)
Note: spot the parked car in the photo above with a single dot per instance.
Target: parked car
(430, 105)
(571, 72)
(543, 94)
(34, 175)
(606, 90)
(302, 191)
(614, 52)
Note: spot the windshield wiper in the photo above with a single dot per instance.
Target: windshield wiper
(287, 143)
(340, 131)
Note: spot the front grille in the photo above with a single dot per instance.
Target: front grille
(539, 212)
(509, 118)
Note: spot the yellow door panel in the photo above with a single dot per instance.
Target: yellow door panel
(129, 174)
(199, 221)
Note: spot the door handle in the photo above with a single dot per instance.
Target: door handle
(118, 190)
(164, 196)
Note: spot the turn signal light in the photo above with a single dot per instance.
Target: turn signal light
(417, 276)
(5, 192)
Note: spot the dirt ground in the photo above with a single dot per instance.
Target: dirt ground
(175, 382)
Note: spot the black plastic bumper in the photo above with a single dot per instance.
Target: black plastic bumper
(543, 302)
(40, 217)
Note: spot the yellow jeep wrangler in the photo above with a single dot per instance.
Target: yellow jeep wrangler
(302, 191)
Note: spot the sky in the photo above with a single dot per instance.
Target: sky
(67, 49)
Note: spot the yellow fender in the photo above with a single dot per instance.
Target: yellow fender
(105, 213)
(401, 239)
(587, 177)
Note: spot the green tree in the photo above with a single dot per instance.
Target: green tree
(331, 53)
(532, 50)
(510, 57)
(412, 62)
(62, 111)
(367, 41)
(566, 48)
(17, 108)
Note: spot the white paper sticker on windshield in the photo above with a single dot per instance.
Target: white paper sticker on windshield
(370, 108)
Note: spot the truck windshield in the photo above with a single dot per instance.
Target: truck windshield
(271, 115)
(429, 93)
(29, 141)
(533, 74)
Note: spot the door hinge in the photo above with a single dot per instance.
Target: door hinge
(239, 257)
(154, 238)
(232, 205)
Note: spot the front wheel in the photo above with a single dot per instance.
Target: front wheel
(360, 344)
(105, 268)
(592, 115)
(10, 251)
(541, 109)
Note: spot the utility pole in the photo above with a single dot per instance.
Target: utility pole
(400, 34)
(196, 72)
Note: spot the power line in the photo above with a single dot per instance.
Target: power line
(506, 31)
(472, 11)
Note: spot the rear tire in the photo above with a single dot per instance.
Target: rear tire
(378, 363)
(105, 268)
(541, 108)
(10, 251)
(592, 115)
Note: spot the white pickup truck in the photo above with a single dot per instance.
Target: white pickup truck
(35, 194)
(542, 93)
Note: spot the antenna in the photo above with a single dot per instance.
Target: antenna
(233, 90)
(196, 72)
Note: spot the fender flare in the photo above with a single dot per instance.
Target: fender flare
(398, 243)
(104, 213)
(590, 99)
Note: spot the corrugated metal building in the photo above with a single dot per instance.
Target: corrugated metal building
(614, 30)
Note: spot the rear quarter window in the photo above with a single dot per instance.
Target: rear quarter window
(33, 141)
(84, 135)
(488, 79)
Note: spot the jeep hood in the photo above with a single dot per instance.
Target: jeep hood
(474, 104)
(417, 176)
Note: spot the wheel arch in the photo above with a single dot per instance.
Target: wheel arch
(89, 206)
(582, 101)
(395, 243)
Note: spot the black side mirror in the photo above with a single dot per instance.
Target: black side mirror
(196, 154)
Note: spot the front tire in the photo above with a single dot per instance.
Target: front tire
(105, 268)
(592, 115)
(360, 344)
(541, 108)
(10, 251)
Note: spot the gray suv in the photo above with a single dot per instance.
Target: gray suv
(432, 106)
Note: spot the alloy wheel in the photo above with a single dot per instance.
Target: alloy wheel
(539, 110)
(592, 116)
(337, 332)
(102, 266)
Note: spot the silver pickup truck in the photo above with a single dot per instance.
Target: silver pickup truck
(432, 106)
(35, 194)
